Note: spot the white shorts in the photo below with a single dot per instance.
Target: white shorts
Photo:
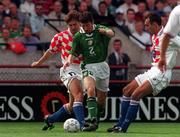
(100, 72)
(71, 72)
(157, 79)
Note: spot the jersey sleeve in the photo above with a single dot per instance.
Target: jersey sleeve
(173, 25)
(75, 50)
(105, 39)
(55, 44)
(102, 26)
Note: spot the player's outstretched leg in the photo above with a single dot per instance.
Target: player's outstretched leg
(47, 125)
(58, 115)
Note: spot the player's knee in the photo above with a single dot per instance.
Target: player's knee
(69, 107)
(126, 91)
(91, 91)
(78, 97)
(135, 96)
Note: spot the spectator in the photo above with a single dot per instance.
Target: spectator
(6, 22)
(69, 5)
(130, 22)
(95, 4)
(28, 7)
(159, 7)
(118, 58)
(46, 5)
(1, 13)
(111, 8)
(104, 17)
(120, 22)
(57, 14)
(141, 11)
(5, 38)
(28, 39)
(170, 4)
(6, 4)
(150, 5)
(90, 7)
(128, 4)
(37, 20)
(83, 7)
(17, 2)
(141, 35)
(15, 13)
(119, 17)
(15, 28)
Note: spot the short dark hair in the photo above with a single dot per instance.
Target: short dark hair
(86, 17)
(117, 40)
(130, 9)
(101, 3)
(73, 15)
(154, 17)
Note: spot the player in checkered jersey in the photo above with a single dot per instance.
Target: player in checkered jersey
(61, 43)
(150, 82)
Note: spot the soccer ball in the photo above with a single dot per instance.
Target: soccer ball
(71, 125)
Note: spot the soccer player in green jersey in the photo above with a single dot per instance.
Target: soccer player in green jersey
(92, 43)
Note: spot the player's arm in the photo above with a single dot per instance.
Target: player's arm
(45, 57)
(171, 30)
(164, 46)
(106, 31)
(69, 61)
(52, 50)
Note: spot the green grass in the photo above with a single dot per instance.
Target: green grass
(33, 129)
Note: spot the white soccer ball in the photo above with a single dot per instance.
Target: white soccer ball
(71, 125)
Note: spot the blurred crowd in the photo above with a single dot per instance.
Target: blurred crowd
(31, 22)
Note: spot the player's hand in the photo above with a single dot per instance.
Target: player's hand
(162, 64)
(66, 64)
(102, 31)
(34, 64)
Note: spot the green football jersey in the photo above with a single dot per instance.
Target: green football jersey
(93, 47)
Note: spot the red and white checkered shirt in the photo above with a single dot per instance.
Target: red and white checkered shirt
(156, 38)
(62, 43)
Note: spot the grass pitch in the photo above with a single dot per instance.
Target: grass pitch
(33, 129)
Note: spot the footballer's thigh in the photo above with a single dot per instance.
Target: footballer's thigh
(130, 88)
(89, 85)
(69, 74)
(75, 88)
(142, 90)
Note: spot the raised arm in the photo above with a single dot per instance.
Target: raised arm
(108, 32)
(45, 57)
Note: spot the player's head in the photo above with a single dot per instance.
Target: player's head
(87, 21)
(72, 19)
(153, 23)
